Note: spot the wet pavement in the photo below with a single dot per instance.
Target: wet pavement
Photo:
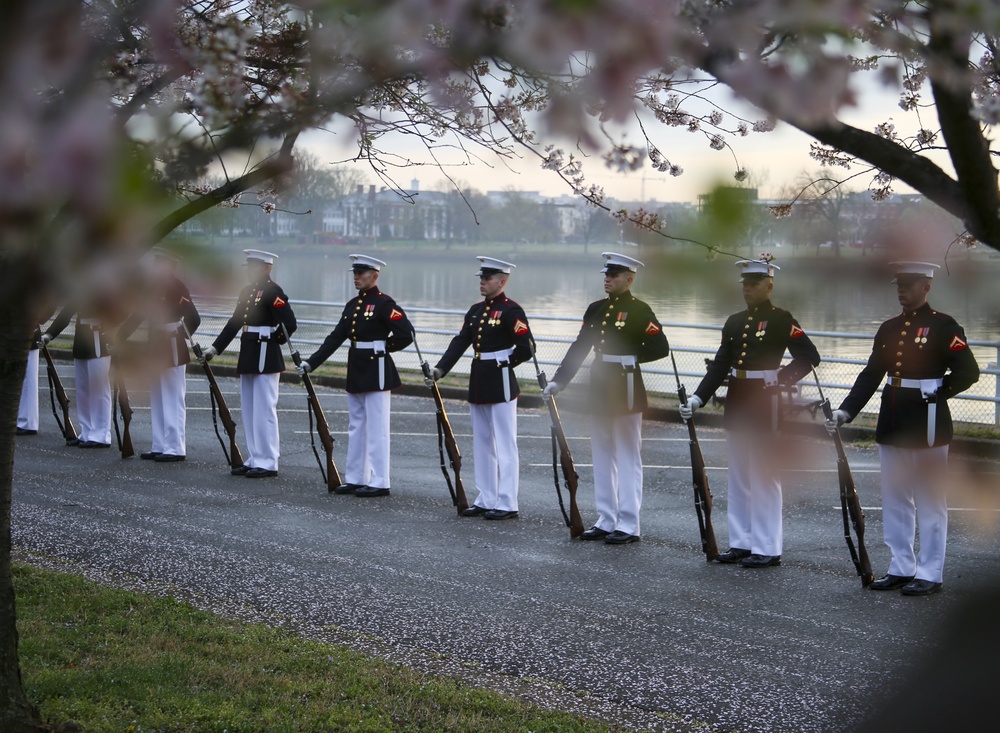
(646, 635)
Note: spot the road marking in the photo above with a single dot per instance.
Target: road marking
(687, 467)
(950, 509)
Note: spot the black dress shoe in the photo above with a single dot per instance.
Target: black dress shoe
(732, 556)
(594, 533)
(620, 538)
(92, 444)
(760, 561)
(260, 473)
(347, 489)
(150, 455)
(473, 511)
(239, 471)
(74, 442)
(921, 588)
(168, 458)
(25, 431)
(370, 491)
(891, 582)
(499, 514)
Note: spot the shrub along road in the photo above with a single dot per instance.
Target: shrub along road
(646, 635)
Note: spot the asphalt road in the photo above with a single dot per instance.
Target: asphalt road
(648, 635)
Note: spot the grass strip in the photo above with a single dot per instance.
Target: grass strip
(116, 660)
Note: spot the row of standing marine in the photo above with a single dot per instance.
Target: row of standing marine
(921, 354)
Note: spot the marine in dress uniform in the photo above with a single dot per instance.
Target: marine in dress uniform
(497, 329)
(375, 326)
(170, 311)
(91, 366)
(261, 310)
(753, 344)
(623, 333)
(27, 408)
(924, 358)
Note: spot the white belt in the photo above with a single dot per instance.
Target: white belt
(502, 358)
(626, 360)
(260, 330)
(378, 346)
(770, 376)
(95, 324)
(926, 386)
(629, 362)
(498, 356)
(168, 327)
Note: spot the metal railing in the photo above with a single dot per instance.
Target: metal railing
(436, 326)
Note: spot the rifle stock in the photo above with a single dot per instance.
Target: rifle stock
(560, 445)
(123, 406)
(331, 473)
(447, 444)
(699, 478)
(233, 455)
(58, 394)
(570, 477)
(850, 506)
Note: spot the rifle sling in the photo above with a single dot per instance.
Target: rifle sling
(52, 398)
(312, 437)
(215, 422)
(556, 456)
(441, 452)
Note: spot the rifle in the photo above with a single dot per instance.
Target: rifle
(850, 503)
(702, 492)
(232, 454)
(119, 402)
(446, 440)
(58, 394)
(329, 472)
(561, 457)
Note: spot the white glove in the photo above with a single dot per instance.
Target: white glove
(552, 389)
(303, 368)
(436, 374)
(46, 338)
(838, 419)
(208, 354)
(688, 408)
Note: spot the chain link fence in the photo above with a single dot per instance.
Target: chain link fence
(844, 354)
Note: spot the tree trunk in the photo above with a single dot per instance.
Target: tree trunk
(17, 714)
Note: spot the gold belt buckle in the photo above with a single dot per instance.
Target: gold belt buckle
(895, 381)
(741, 373)
(477, 356)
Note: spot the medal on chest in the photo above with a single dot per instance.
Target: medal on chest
(260, 294)
(620, 320)
(494, 319)
(921, 337)
(761, 329)
(370, 311)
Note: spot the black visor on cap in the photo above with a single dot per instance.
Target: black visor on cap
(755, 276)
(910, 278)
(616, 269)
(358, 269)
(487, 271)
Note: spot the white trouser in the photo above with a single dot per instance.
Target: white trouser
(616, 446)
(368, 439)
(259, 407)
(913, 491)
(167, 410)
(754, 493)
(93, 398)
(494, 455)
(27, 410)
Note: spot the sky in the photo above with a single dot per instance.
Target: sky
(774, 160)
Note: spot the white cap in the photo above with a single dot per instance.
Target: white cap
(923, 269)
(616, 262)
(366, 262)
(267, 258)
(165, 254)
(757, 267)
(490, 266)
